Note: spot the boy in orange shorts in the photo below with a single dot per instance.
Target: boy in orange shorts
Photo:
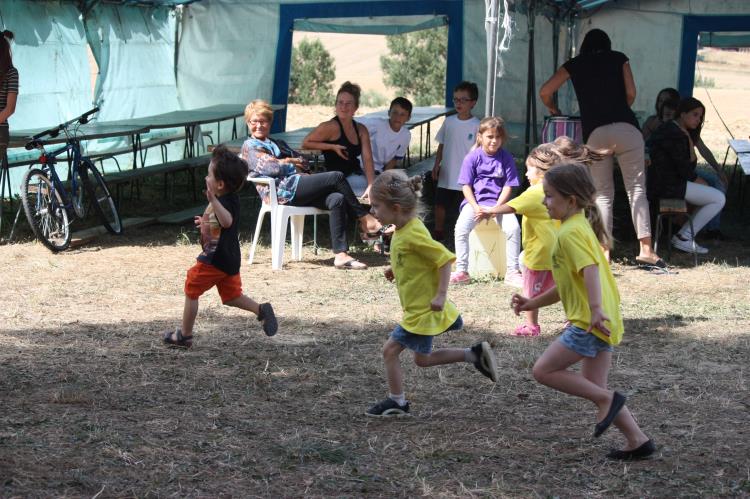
(219, 262)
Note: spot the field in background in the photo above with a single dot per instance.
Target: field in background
(728, 97)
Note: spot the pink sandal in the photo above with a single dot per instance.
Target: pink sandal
(527, 330)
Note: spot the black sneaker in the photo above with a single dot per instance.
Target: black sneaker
(268, 319)
(388, 407)
(485, 362)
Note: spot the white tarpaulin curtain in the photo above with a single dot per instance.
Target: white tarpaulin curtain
(134, 49)
(49, 51)
(376, 25)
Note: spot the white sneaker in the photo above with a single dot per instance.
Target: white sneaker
(687, 245)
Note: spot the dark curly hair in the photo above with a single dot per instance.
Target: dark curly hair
(229, 168)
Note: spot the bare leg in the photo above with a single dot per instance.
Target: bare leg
(551, 369)
(647, 250)
(596, 370)
(391, 352)
(245, 303)
(532, 317)
(189, 313)
(440, 357)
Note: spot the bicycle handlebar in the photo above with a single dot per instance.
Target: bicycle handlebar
(53, 132)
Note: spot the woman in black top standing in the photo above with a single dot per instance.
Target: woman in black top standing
(343, 140)
(605, 89)
(8, 90)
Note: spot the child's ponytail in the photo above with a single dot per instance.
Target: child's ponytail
(594, 216)
(395, 187)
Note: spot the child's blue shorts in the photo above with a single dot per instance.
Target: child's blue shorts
(420, 343)
(583, 343)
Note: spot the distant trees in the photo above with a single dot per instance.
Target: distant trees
(416, 65)
(312, 73)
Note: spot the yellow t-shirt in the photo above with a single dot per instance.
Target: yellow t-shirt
(576, 248)
(539, 231)
(415, 260)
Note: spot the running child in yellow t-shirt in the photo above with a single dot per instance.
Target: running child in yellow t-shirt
(585, 284)
(539, 231)
(421, 268)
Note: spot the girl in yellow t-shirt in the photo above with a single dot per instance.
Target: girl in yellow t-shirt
(585, 284)
(539, 231)
(421, 268)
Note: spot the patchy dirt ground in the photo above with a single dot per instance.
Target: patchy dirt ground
(95, 406)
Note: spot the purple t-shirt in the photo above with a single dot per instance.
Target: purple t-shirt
(487, 175)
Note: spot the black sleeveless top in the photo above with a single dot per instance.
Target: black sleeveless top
(335, 163)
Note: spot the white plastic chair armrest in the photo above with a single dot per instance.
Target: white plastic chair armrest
(271, 183)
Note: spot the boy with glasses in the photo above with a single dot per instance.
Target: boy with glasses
(456, 138)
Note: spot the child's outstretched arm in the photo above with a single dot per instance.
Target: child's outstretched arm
(520, 303)
(594, 291)
(500, 207)
(442, 292)
(222, 214)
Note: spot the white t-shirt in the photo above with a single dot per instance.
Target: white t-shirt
(457, 137)
(386, 144)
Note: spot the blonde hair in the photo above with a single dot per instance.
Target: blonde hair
(491, 123)
(563, 149)
(259, 107)
(395, 187)
(574, 180)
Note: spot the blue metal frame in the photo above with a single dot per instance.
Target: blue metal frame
(453, 9)
(691, 26)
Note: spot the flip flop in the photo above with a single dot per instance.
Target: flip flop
(618, 402)
(352, 264)
(659, 263)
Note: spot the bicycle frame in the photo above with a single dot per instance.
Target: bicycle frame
(48, 160)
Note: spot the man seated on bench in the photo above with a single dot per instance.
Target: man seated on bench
(389, 137)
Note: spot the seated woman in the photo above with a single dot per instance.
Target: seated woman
(667, 101)
(343, 140)
(267, 157)
(672, 171)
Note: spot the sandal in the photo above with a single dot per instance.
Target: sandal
(659, 263)
(179, 340)
(385, 230)
(352, 264)
(527, 330)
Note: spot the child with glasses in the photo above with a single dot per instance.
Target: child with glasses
(456, 138)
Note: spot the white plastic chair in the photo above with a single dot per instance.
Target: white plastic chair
(280, 214)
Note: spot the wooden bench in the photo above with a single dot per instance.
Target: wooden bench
(160, 142)
(119, 179)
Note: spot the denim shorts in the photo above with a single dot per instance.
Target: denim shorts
(583, 343)
(420, 343)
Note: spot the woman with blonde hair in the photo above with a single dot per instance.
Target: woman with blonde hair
(268, 157)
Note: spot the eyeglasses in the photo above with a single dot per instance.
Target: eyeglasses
(259, 122)
(461, 100)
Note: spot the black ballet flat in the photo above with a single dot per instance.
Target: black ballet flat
(642, 452)
(618, 402)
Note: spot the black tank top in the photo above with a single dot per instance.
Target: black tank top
(335, 163)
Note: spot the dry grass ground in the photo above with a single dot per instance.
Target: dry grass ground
(94, 405)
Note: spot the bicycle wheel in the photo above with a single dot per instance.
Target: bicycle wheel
(45, 210)
(77, 196)
(100, 197)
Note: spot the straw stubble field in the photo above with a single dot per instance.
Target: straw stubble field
(94, 405)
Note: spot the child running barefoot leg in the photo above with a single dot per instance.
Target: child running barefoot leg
(585, 284)
(421, 269)
(219, 262)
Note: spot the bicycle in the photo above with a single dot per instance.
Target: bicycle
(46, 200)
